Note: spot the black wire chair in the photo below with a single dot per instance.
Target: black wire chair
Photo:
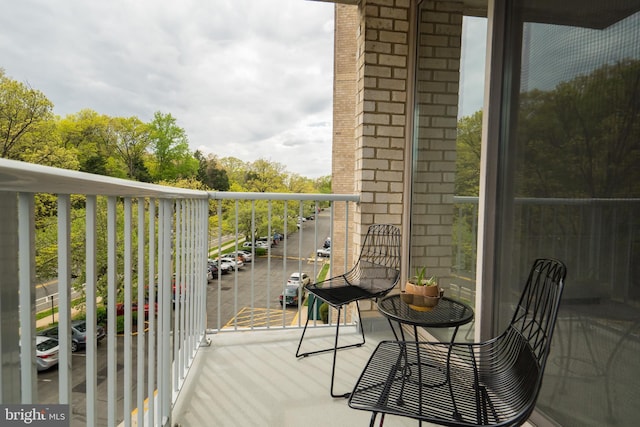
(457, 384)
(376, 272)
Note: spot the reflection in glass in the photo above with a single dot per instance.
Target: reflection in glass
(570, 188)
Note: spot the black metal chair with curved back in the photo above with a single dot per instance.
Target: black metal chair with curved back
(375, 273)
(458, 384)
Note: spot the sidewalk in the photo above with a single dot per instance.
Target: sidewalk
(48, 321)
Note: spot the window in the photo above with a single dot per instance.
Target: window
(569, 187)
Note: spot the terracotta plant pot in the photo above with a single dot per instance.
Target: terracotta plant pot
(427, 291)
(421, 298)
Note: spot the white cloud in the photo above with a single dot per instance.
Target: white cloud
(245, 78)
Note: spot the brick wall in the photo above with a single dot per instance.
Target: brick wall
(381, 135)
(371, 161)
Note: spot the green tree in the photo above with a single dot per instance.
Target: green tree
(236, 170)
(191, 183)
(172, 158)
(209, 173)
(264, 176)
(323, 184)
(299, 184)
(129, 138)
(581, 138)
(88, 132)
(22, 110)
(467, 181)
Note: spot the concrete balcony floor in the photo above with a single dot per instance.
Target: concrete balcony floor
(254, 379)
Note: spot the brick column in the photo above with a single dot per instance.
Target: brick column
(373, 161)
(381, 138)
(344, 109)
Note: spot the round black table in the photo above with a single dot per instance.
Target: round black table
(449, 313)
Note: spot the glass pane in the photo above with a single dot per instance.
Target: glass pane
(570, 189)
(444, 225)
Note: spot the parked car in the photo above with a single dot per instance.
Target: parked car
(46, 352)
(236, 256)
(223, 268)
(244, 255)
(134, 307)
(299, 279)
(212, 271)
(291, 295)
(259, 244)
(78, 334)
(232, 260)
(266, 240)
(324, 252)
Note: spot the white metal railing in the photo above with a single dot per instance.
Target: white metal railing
(143, 241)
(151, 231)
(263, 311)
(579, 231)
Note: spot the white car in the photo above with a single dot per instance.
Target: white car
(223, 267)
(234, 261)
(324, 252)
(46, 352)
(299, 279)
(259, 244)
(246, 255)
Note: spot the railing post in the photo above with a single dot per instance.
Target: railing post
(27, 274)
(64, 298)
(164, 364)
(111, 311)
(9, 300)
(91, 283)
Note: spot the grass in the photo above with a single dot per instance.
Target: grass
(45, 313)
(321, 276)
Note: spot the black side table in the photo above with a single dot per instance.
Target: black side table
(448, 313)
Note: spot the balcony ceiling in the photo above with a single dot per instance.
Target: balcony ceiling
(592, 13)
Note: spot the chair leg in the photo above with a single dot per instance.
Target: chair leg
(335, 347)
(309, 353)
(373, 419)
(301, 338)
(335, 355)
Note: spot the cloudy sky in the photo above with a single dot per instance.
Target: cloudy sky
(245, 78)
(474, 40)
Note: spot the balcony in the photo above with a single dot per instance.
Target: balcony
(220, 350)
(146, 245)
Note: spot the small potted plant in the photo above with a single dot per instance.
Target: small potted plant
(421, 292)
(420, 284)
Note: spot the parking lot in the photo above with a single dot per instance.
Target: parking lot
(232, 301)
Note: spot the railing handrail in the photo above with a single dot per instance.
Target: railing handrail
(321, 197)
(32, 178)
